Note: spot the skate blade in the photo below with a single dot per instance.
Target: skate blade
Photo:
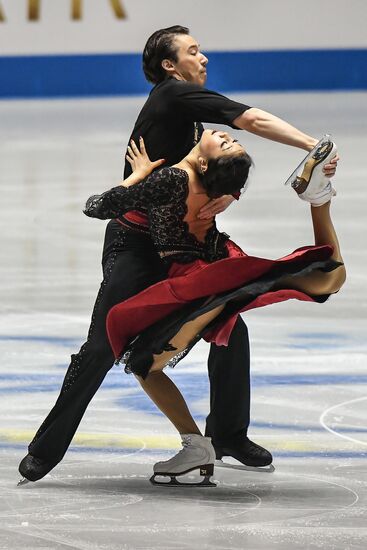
(23, 481)
(173, 482)
(292, 178)
(259, 469)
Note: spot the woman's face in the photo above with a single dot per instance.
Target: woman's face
(217, 143)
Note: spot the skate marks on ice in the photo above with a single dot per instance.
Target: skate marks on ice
(101, 490)
(326, 418)
(70, 509)
(309, 376)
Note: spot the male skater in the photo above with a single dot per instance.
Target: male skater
(170, 123)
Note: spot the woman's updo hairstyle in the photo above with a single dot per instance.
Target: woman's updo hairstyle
(226, 175)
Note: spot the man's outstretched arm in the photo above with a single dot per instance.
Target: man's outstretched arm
(268, 126)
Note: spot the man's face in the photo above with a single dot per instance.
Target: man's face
(191, 63)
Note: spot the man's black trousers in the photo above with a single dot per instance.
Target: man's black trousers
(130, 264)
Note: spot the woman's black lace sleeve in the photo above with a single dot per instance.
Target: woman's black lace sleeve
(154, 190)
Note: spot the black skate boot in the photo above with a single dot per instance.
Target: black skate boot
(251, 456)
(33, 469)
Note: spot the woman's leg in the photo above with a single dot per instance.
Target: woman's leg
(160, 388)
(319, 282)
(184, 336)
(198, 452)
(165, 394)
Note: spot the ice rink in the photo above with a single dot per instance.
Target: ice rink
(309, 376)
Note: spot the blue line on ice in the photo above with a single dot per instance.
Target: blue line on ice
(116, 378)
(129, 451)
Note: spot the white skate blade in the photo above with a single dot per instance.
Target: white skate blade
(23, 481)
(296, 172)
(259, 469)
(174, 482)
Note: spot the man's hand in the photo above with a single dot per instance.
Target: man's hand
(215, 206)
(330, 169)
(139, 161)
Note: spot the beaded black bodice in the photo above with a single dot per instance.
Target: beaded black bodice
(162, 196)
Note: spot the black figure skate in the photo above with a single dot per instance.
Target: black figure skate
(33, 469)
(251, 457)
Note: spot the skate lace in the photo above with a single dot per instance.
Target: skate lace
(186, 442)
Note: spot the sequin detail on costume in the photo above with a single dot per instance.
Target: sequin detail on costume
(76, 363)
(125, 359)
(162, 196)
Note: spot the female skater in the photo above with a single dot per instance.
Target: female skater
(211, 280)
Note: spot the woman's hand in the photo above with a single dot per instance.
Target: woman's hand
(139, 161)
(215, 206)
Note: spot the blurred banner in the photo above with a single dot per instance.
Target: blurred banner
(93, 47)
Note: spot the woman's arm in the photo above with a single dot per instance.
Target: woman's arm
(128, 195)
(140, 163)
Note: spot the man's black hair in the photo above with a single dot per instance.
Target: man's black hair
(226, 175)
(160, 46)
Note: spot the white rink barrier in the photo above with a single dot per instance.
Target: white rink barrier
(93, 47)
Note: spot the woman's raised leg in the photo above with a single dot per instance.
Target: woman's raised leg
(320, 282)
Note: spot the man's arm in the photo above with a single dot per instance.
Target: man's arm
(208, 106)
(268, 126)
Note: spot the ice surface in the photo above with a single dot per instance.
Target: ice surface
(309, 378)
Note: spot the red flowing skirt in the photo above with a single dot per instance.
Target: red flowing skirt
(227, 278)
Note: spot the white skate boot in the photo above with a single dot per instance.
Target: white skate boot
(197, 454)
(312, 185)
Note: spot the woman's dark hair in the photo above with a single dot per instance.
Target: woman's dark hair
(226, 175)
(160, 46)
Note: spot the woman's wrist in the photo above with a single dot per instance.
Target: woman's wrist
(135, 177)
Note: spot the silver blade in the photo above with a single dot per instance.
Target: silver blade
(260, 469)
(295, 173)
(23, 481)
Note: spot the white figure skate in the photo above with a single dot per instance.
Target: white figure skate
(293, 177)
(197, 454)
(309, 180)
